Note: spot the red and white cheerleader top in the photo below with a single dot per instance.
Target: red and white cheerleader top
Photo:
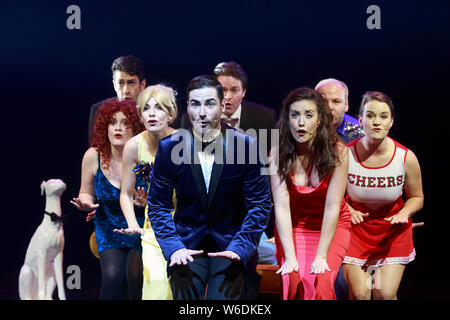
(378, 191)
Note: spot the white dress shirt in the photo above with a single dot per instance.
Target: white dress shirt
(206, 162)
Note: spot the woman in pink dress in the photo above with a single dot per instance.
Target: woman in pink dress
(308, 180)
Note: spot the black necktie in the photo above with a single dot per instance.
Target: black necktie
(207, 143)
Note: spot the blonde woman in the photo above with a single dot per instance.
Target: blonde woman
(157, 109)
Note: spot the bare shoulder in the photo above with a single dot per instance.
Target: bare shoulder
(411, 160)
(341, 149)
(273, 156)
(90, 155)
(132, 143)
(131, 149)
(274, 164)
(411, 156)
(90, 160)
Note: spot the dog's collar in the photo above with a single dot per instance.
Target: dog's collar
(54, 217)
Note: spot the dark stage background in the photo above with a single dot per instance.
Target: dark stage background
(51, 75)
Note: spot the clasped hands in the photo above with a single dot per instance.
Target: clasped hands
(182, 256)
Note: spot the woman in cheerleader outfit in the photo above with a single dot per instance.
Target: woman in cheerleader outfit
(308, 185)
(380, 169)
(157, 109)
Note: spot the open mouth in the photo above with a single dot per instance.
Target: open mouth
(118, 136)
(152, 122)
(301, 132)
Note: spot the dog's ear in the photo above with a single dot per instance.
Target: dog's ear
(43, 187)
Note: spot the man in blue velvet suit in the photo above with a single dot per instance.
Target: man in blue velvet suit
(223, 200)
(248, 116)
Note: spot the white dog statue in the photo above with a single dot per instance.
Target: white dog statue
(43, 267)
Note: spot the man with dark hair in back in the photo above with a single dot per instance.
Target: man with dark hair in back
(128, 82)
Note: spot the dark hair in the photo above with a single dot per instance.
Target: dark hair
(129, 64)
(379, 96)
(323, 150)
(232, 69)
(106, 111)
(205, 81)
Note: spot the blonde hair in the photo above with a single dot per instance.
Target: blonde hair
(164, 96)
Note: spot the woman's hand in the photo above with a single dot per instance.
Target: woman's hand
(130, 230)
(290, 265)
(90, 215)
(271, 240)
(358, 216)
(86, 206)
(140, 197)
(319, 266)
(398, 218)
(417, 224)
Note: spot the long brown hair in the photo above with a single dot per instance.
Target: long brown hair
(323, 149)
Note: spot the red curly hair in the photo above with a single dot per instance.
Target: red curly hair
(103, 118)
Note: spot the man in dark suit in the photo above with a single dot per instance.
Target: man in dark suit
(223, 200)
(237, 112)
(247, 116)
(128, 82)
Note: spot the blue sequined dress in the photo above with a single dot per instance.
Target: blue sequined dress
(109, 215)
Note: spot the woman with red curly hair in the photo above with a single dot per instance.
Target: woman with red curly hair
(120, 255)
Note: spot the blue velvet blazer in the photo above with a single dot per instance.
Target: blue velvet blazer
(234, 212)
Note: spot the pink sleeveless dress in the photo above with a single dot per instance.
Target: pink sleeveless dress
(307, 208)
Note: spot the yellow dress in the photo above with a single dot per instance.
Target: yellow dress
(155, 283)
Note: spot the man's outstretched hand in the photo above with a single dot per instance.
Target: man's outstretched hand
(225, 254)
(182, 256)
